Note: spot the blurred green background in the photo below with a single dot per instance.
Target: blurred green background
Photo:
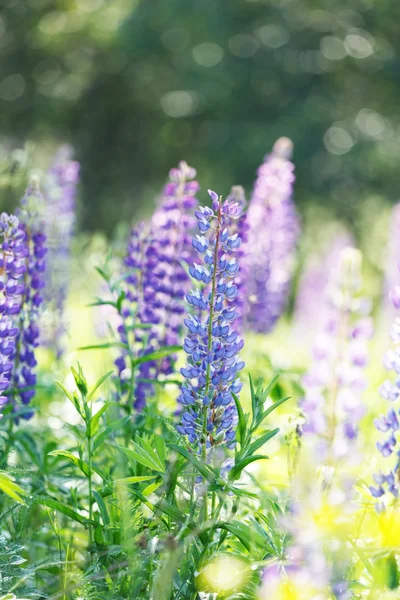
(137, 85)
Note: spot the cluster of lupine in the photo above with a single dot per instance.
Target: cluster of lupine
(274, 228)
(333, 386)
(159, 260)
(212, 344)
(157, 255)
(23, 254)
(60, 214)
(389, 423)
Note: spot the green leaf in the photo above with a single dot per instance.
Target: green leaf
(78, 462)
(160, 447)
(72, 398)
(136, 479)
(242, 425)
(160, 353)
(237, 469)
(102, 507)
(102, 274)
(143, 447)
(269, 388)
(253, 396)
(9, 487)
(246, 534)
(103, 435)
(104, 346)
(100, 302)
(65, 510)
(392, 579)
(263, 439)
(150, 489)
(274, 406)
(98, 384)
(95, 420)
(202, 468)
(141, 458)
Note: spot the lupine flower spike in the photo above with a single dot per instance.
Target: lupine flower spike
(388, 483)
(157, 254)
(212, 344)
(273, 231)
(60, 195)
(334, 385)
(12, 274)
(23, 264)
(308, 312)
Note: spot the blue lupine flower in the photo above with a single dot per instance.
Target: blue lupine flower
(273, 232)
(212, 344)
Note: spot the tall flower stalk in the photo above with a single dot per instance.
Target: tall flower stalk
(273, 232)
(212, 344)
(23, 266)
(31, 217)
(12, 272)
(158, 256)
(334, 384)
(60, 212)
(387, 483)
(308, 312)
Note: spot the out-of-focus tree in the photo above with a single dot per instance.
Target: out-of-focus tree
(136, 85)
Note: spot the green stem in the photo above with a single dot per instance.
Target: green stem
(90, 484)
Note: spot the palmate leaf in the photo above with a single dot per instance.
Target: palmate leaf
(144, 458)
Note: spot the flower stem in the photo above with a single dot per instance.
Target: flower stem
(209, 347)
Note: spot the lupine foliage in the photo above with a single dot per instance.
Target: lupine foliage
(175, 474)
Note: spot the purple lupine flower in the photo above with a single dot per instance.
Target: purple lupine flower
(312, 285)
(212, 344)
(273, 232)
(334, 384)
(137, 311)
(159, 255)
(388, 424)
(31, 222)
(60, 194)
(12, 274)
(172, 229)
